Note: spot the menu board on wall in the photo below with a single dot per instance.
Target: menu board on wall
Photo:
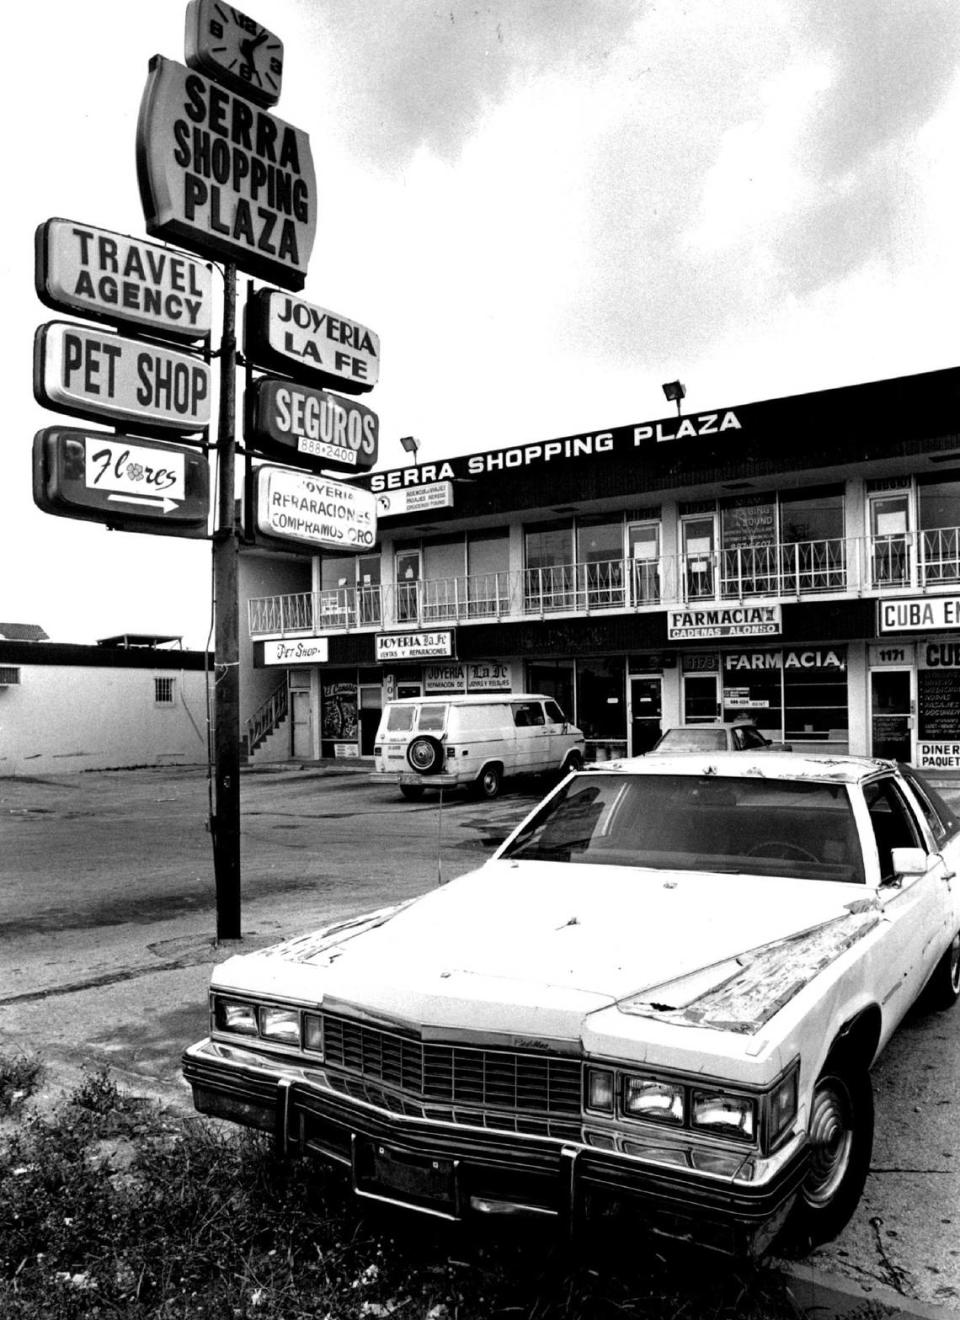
(938, 694)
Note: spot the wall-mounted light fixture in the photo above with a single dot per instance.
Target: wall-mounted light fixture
(675, 392)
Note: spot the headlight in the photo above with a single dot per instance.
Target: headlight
(648, 1097)
(730, 1115)
(232, 1015)
(280, 1024)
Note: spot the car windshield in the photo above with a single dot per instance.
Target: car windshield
(761, 826)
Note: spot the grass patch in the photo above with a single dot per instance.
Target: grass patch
(112, 1208)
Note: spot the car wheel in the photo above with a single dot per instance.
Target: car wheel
(943, 987)
(412, 792)
(840, 1134)
(425, 754)
(573, 762)
(489, 782)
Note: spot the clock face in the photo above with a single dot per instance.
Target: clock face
(234, 49)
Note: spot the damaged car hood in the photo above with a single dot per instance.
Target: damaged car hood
(533, 941)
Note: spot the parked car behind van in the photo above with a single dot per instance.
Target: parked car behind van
(473, 742)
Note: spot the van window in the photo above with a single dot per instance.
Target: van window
(400, 718)
(527, 713)
(432, 718)
(473, 719)
(554, 713)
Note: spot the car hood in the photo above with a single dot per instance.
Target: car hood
(541, 945)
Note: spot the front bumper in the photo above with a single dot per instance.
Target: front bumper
(454, 1171)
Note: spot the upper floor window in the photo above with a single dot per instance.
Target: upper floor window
(163, 691)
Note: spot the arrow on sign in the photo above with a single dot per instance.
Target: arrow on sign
(153, 500)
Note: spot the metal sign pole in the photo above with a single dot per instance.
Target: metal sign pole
(225, 824)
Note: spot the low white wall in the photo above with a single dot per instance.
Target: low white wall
(64, 718)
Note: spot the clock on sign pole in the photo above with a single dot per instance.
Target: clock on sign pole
(234, 50)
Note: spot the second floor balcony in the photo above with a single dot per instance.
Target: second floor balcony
(790, 571)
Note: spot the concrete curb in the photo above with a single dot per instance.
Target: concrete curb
(828, 1295)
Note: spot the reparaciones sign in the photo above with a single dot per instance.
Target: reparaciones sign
(289, 335)
(98, 374)
(223, 177)
(323, 430)
(297, 507)
(113, 277)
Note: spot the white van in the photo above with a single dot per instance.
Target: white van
(449, 742)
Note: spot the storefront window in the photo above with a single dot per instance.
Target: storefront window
(554, 680)
(488, 577)
(550, 574)
(799, 695)
(601, 703)
(813, 554)
(939, 518)
(600, 562)
(748, 541)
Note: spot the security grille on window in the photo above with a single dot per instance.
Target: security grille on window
(9, 675)
(163, 689)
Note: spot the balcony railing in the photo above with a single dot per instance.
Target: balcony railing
(787, 571)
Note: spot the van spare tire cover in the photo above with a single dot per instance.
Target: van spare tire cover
(425, 754)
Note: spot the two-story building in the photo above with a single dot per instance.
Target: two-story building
(797, 559)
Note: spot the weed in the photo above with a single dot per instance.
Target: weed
(20, 1078)
(110, 1207)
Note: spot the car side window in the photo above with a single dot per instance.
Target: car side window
(554, 713)
(751, 738)
(941, 820)
(893, 823)
(527, 714)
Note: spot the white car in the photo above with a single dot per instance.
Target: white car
(665, 989)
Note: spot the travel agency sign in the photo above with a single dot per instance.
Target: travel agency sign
(223, 177)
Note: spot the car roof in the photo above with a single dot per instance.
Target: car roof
(738, 765)
(473, 699)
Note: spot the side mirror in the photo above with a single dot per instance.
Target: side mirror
(909, 861)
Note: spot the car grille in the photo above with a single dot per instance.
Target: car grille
(455, 1083)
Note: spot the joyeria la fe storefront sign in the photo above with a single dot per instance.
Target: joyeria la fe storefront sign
(223, 177)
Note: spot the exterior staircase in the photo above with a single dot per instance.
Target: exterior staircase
(268, 719)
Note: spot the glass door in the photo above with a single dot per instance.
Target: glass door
(891, 713)
(644, 550)
(699, 556)
(408, 586)
(644, 714)
(890, 539)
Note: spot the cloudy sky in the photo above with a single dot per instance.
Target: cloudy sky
(545, 208)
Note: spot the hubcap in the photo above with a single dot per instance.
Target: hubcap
(831, 1141)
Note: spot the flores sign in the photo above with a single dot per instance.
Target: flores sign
(99, 374)
(297, 507)
(223, 177)
(140, 485)
(324, 431)
(111, 277)
(285, 334)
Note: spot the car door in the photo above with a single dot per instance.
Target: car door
(913, 905)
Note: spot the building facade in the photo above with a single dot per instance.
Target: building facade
(66, 708)
(796, 559)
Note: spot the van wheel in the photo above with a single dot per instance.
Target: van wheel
(573, 762)
(841, 1142)
(425, 755)
(412, 792)
(489, 782)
